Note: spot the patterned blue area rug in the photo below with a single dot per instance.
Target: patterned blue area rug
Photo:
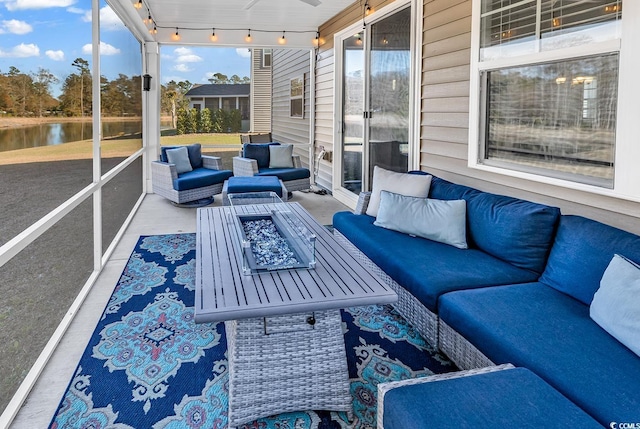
(148, 365)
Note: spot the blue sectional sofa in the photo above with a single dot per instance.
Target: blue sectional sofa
(520, 294)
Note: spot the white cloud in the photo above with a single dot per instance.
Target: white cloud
(76, 10)
(243, 52)
(21, 51)
(193, 58)
(105, 49)
(36, 4)
(182, 68)
(108, 19)
(16, 27)
(55, 55)
(183, 51)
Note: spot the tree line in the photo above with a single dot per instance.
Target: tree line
(30, 94)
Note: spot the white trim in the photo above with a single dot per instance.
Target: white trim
(312, 113)
(415, 97)
(627, 154)
(97, 135)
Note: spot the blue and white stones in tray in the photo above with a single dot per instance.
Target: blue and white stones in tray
(269, 247)
(274, 241)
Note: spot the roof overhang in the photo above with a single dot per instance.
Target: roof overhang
(231, 20)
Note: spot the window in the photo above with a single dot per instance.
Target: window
(266, 58)
(548, 88)
(297, 97)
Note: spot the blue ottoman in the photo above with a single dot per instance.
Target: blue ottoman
(495, 397)
(245, 184)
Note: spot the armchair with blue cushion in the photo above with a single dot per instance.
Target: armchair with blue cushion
(273, 159)
(183, 174)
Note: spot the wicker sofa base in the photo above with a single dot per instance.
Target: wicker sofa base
(419, 316)
(464, 354)
(298, 185)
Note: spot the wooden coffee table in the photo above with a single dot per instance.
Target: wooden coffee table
(284, 331)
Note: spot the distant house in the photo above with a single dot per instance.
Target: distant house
(215, 96)
(261, 90)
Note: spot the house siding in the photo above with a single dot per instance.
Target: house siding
(260, 100)
(445, 123)
(289, 64)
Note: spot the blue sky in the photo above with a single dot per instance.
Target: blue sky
(51, 34)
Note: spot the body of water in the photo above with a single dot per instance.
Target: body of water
(60, 133)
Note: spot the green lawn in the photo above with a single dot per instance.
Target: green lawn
(112, 148)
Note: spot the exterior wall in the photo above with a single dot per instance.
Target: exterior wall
(289, 64)
(260, 98)
(445, 119)
(444, 122)
(324, 95)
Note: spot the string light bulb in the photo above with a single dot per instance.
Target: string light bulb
(282, 40)
(316, 41)
(358, 39)
(148, 19)
(367, 9)
(213, 37)
(248, 38)
(154, 30)
(138, 5)
(176, 36)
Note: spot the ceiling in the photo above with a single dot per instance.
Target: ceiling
(195, 20)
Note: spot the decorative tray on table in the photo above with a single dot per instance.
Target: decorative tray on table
(270, 237)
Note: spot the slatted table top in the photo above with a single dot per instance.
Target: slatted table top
(223, 292)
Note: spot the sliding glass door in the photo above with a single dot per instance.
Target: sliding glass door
(375, 100)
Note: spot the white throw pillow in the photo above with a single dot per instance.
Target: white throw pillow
(180, 157)
(411, 185)
(280, 156)
(437, 220)
(615, 304)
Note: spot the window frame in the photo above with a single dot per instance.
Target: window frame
(299, 82)
(267, 53)
(627, 153)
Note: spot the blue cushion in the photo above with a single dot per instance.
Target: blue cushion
(581, 253)
(241, 184)
(550, 333)
(194, 150)
(514, 230)
(285, 174)
(426, 268)
(259, 152)
(517, 231)
(199, 178)
(511, 398)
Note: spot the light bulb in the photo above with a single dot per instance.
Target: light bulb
(154, 30)
(147, 20)
(213, 37)
(138, 5)
(316, 41)
(282, 40)
(248, 38)
(176, 36)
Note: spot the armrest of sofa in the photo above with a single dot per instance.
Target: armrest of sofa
(297, 162)
(244, 166)
(212, 162)
(162, 175)
(363, 203)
